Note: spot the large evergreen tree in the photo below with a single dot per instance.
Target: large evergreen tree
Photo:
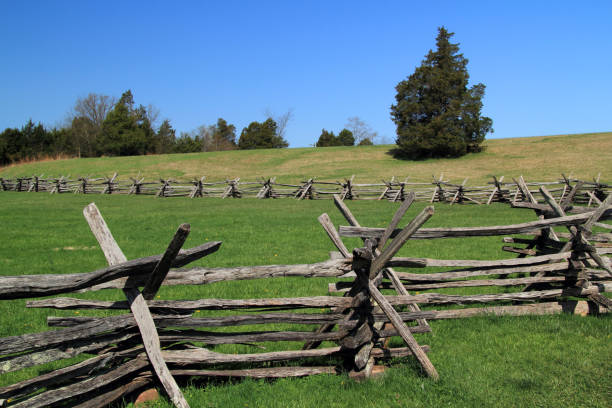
(436, 114)
(165, 138)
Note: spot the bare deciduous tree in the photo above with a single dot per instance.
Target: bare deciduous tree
(281, 121)
(361, 130)
(94, 107)
(86, 121)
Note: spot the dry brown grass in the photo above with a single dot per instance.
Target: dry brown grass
(536, 158)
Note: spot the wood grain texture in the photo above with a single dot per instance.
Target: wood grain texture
(160, 271)
(138, 306)
(403, 331)
(431, 233)
(25, 286)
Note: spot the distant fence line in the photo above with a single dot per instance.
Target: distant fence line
(436, 190)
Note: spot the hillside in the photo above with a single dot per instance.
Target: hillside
(537, 158)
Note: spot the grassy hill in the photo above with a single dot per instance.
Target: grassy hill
(537, 158)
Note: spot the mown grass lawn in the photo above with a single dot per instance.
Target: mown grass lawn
(546, 361)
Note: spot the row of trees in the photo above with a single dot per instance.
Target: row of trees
(101, 125)
(356, 132)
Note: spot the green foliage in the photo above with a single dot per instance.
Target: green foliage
(187, 144)
(344, 138)
(261, 136)
(436, 114)
(165, 139)
(125, 131)
(327, 139)
(33, 142)
(365, 142)
(219, 137)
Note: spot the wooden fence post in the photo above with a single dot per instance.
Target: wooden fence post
(137, 302)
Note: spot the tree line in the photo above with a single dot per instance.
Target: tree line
(101, 125)
(435, 113)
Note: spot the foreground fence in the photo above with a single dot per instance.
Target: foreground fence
(437, 190)
(159, 340)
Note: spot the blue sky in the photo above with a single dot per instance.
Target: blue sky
(547, 65)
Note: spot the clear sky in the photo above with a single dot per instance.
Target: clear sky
(547, 65)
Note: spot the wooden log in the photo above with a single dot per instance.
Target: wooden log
(577, 307)
(326, 301)
(545, 209)
(570, 197)
(340, 286)
(217, 321)
(348, 215)
(401, 238)
(24, 342)
(163, 266)
(601, 300)
(546, 308)
(60, 376)
(428, 262)
(203, 276)
(520, 251)
(77, 389)
(437, 298)
(586, 227)
(143, 380)
(137, 303)
(169, 306)
(430, 233)
(403, 330)
(217, 338)
(395, 220)
(598, 213)
(326, 327)
(271, 372)
(47, 355)
(15, 287)
(328, 226)
(522, 186)
(207, 357)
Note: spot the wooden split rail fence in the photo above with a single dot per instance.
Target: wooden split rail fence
(158, 340)
(437, 190)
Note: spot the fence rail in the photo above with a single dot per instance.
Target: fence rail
(436, 190)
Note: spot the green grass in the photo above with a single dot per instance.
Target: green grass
(546, 361)
(537, 158)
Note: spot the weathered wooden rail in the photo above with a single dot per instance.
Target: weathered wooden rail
(437, 190)
(158, 340)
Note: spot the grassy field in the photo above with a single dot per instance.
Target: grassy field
(545, 361)
(536, 158)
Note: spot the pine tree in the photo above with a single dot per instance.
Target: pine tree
(326, 139)
(436, 114)
(124, 131)
(261, 136)
(346, 138)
